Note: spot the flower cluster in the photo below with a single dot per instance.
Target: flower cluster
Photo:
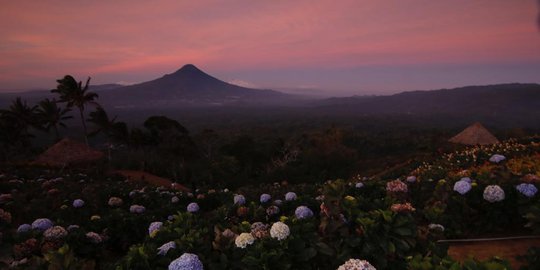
(265, 198)
(154, 228)
(115, 202)
(5, 216)
(402, 208)
(187, 261)
(497, 158)
(531, 178)
(396, 186)
(239, 199)
(6, 197)
(244, 240)
(163, 249)
(137, 209)
(290, 196)
(24, 228)
(356, 264)
(493, 193)
(259, 230)
(192, 207)
(25, 248)
(175, 199)
(436, 227)
(94, 238)
(411, 179)
(78, 203)
(359, 185)
(42, 224)
(228, 233)
(54, 233)
(272, 210)
(529, 190)
(462, 186)
(303, 212)
(279, 231)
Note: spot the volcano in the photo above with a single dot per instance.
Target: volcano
(189, 86)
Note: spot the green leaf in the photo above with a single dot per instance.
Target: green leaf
(325, 249)
(308, 253)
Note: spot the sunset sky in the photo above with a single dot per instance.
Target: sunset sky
(330, 47)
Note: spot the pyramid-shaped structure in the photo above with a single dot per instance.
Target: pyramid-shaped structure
(68, 152)
(475, 134)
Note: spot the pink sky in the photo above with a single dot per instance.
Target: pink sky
(333, 45)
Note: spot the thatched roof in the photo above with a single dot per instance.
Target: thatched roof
(475, 134)
(68, 152)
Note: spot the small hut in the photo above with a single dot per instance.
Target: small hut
(475, 134)
(68, 152)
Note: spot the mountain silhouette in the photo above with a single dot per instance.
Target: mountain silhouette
(189, 86)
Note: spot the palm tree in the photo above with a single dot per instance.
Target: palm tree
(52, 116)
(101, 120)
(75, 95)
(23, 115)
(115, 131)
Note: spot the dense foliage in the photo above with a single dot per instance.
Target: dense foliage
(111, 223)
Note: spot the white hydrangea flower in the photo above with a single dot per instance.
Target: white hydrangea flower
(356, 264)
(493, 193)
(244, 239)
(279, 231)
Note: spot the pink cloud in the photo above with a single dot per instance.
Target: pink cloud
(51, 38)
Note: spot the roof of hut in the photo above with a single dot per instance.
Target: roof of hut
(475, 134)
(68, 152)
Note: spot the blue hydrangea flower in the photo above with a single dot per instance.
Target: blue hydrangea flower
(411, 179)
(137, 209)
(72, 227)
(529, 190)
(359, 185)
(303, 212)
(175, 199)
(467, 179)
(24, 228)
(166, 247)
(462, 187)
(290, 196)
(42, 224)
(78, 203)
(193, 207)
(187, 261)
(265, 198)
(154, 227)
(497, 158)
(239, 199)
(278, 202)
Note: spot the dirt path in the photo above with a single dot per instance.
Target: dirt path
(506, 249)
(150, 179)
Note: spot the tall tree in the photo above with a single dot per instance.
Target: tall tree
(75, 95)
(101, 120)
(23, 115)
(117, 132)
(52, 116)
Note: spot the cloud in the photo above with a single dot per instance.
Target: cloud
(538, 16)
(139, 40)
(242, 83)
